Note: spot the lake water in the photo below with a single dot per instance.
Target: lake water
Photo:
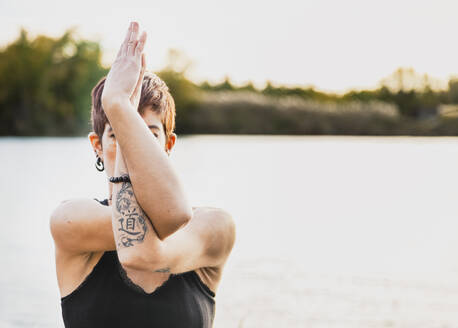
(331, 231)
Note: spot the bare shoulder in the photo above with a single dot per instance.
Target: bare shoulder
(77, 208)
(76, 204)
(221, 225)
(80, 228)
(218, 223)
(81, 225)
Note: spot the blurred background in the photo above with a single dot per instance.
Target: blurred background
(326, 128)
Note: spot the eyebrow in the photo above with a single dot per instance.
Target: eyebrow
(152, 126)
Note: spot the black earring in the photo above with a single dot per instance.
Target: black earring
(99, 164)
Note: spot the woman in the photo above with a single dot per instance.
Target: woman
(142, 257)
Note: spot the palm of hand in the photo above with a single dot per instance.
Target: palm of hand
(126, 74)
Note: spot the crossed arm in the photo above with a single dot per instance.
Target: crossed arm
(157, 187)
(153, 229)
(200, 243)
(80, 226)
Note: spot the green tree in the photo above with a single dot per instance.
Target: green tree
(185, 93)
(453, 91)
(45, 84)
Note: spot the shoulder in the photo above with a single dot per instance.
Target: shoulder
(219, 227)
(215, 216)
(74, 208)
(71, 211)
(76, 203)
(74, 218)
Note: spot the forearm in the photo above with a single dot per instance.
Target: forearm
(156, 185)
(136, 241)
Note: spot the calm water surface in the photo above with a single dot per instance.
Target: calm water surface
(331, 231)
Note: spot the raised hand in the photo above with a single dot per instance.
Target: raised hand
(124, 80)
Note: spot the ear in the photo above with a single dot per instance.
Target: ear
(170, 142)
(96, 143)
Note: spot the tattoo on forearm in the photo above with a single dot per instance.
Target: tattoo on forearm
(132, 222)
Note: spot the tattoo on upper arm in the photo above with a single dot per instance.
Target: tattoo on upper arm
(132, 224)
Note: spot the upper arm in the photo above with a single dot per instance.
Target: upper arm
(205, 241)
(82, 225)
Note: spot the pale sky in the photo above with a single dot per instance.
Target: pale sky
(333, 45)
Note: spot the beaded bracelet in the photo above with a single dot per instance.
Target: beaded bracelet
(122, 178)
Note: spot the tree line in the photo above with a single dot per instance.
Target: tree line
(45, 86)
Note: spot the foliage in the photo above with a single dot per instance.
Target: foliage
(185, 93)
(45, 86)
(45, 83)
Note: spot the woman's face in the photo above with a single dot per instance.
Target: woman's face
(106, 148)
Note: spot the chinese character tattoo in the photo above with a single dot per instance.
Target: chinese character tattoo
(132, 224)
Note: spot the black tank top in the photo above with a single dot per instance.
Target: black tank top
(107, 298)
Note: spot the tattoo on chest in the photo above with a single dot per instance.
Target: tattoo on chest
(131, 224)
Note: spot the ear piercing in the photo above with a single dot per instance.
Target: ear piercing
(99, 164)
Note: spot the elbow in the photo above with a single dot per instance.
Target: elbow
(132, 262)
(184, 218)
(175, 224)
(145, 261)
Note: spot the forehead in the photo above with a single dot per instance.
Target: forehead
(151, 118)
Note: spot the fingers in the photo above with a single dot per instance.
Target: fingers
(140, 44)
(142, 73)
(122, 49)
(129, 32)
(138, 87)
(132, 43)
